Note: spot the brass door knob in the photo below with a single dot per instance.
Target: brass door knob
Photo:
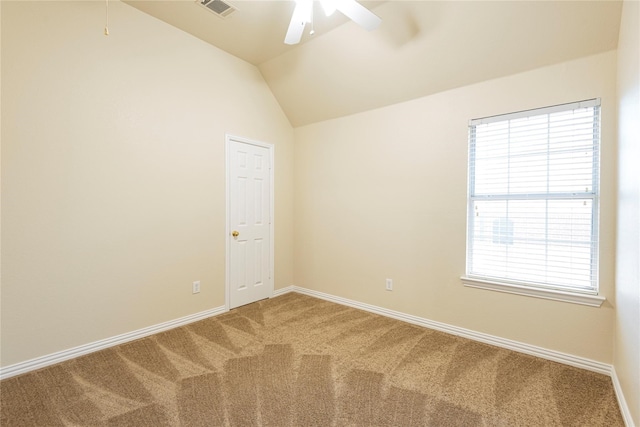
(235, 234)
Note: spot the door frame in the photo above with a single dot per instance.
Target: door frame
(228, 140)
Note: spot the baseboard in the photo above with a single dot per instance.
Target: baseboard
(61, 356)
(520, 347)
(622, 402)
(283, 291)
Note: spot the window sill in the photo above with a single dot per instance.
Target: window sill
(565, 296)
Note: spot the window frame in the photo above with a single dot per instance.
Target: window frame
(555, 292)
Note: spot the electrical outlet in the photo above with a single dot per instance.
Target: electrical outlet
(389, 284)
(196, 287)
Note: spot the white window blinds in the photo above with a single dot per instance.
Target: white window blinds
(533, 197)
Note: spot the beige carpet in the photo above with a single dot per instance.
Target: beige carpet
(300, 361)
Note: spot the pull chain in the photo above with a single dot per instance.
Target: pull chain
(106, 24)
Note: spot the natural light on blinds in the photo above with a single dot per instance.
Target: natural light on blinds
(533, 197)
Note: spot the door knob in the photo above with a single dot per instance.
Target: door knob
(235, 234)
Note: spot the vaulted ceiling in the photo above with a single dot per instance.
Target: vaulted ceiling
(421, 47)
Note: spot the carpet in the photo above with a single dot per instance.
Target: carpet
(295, 360)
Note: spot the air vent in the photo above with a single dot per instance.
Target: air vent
(218, 7)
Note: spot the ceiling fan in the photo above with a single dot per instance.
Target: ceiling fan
(303, 13)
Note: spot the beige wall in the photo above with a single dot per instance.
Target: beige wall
(382, 194)
(113, 172)
(627, 321)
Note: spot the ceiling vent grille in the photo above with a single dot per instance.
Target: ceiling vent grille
(218, 7)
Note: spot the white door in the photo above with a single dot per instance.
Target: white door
(249, 210)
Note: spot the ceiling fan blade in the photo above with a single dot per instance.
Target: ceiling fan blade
(294, 33)
(359, 14)
(298, 21)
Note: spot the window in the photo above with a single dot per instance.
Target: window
(533, 202)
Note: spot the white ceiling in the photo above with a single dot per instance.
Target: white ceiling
(421, 47)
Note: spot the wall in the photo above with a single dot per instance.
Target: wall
(627, 321)
(113, 172)
(382, 194)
